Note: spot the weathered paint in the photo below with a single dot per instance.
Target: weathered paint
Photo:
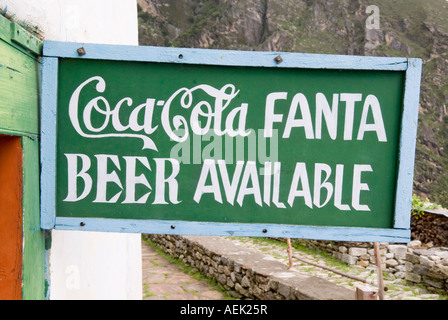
(34, 251)
(109, 264)
(222, 57)
(19, 83)
(48, 142)
(112, 262)
(236, 230)
(25, 39)
(408, 142)
(19, 105)
(10, 218)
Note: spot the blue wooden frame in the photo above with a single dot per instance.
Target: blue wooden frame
(53, 51)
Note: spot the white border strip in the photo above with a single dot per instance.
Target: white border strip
(233, 229)
(221, 57)
(48, 142)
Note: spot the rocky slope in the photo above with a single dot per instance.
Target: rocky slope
(407, 28)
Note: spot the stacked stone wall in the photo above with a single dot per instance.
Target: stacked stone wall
(418, 261)
(415, 262)
(248, 278)
(431, 228)
(237, 279)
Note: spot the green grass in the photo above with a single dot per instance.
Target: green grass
(419, 205)
(146, 292)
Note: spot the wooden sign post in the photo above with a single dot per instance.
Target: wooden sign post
(379, 268)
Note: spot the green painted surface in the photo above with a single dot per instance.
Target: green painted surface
(5, 28)
(19, 83)
(19, 105)
(34, 238)
(25, 39)
(142, 81)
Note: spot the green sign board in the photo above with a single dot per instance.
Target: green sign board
(185, 141)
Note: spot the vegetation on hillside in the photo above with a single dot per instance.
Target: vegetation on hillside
(407, 28)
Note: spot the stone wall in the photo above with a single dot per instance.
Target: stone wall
(246, 274)
(418, 261)
(415, 262)
(424, 260)
(431, 227)
(239, 280)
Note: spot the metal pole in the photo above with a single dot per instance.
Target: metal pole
(379, 270)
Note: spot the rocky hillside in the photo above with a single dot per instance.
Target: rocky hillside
(407, 28)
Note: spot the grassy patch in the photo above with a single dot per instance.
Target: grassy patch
(419, 205)
(146, 292)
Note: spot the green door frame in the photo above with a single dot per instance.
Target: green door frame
(19, 116)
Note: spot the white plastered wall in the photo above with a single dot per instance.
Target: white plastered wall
(92, 21)
(88, 265)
